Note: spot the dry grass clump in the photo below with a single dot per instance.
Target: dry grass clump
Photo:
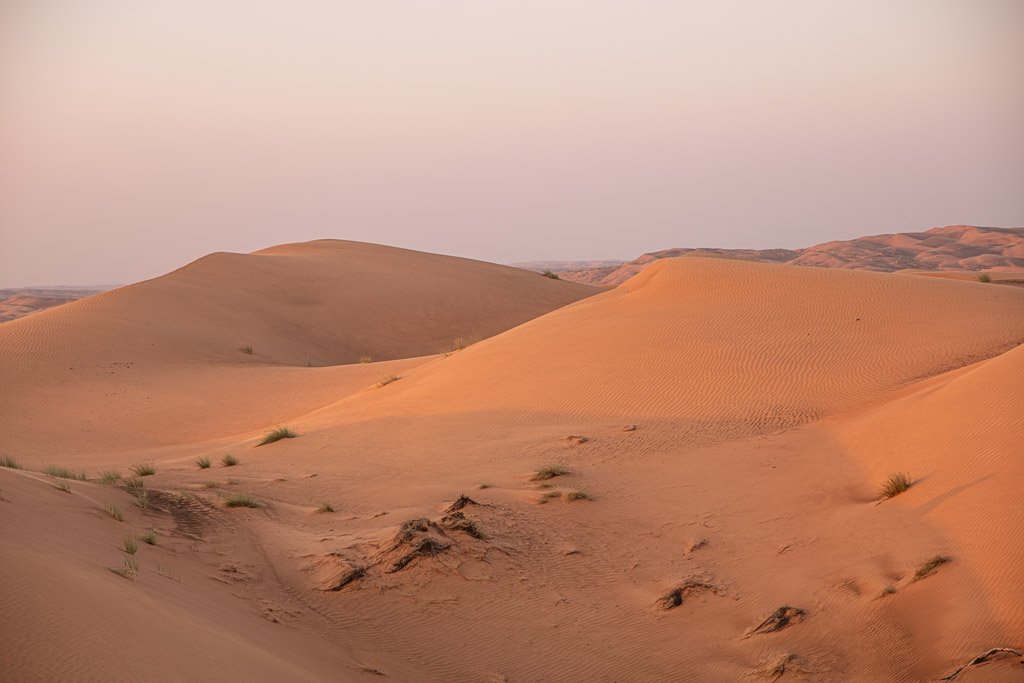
(277, 435)
(549, 472)
(63, 473)
(551, 275)
(895, 485)
(577, 494)
(203, 462)
(984, 277)
(324, 507)
(10, 462)
(365, 359)
(110, 477)
(388, 380)
(242, 500)
(63, 486)
(148, 537)
(130, 545)
(246, 349)
(144, 469)
(115, 512)
(930, 565)
(229, 460)
(130, 570)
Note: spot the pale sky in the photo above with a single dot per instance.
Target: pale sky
(136, 136)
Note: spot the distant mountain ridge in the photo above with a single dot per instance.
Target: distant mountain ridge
(951, 248)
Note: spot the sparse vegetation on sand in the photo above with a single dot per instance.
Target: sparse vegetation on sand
(246, 349)
(277, 435)
(115, 512)
(887, 591)
(148, 537)
(229, 460)
(63, 473)
(895, 485)
(577, 494)
(485, 486)
(549, 472)
(459, 344)
(242, 500)
(549, 274)
(144, 469)
(930, 565)
(365, 359)
(202, 462)
(984, 277)
(129, 571)
(63, 486)
(9, 462)
(325, 507)
(388, 380)
(110, 477)
(130, 545)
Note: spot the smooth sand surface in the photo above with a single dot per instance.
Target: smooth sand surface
(730, 423)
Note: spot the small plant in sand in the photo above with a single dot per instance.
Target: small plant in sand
(887, 591)
(63, 473)
(148, 537)
(895, 485)
(142, 498)
(63, 486)
(484, 486)
(130, 570)
(242, 500)
(388, 380)
(984, 277)
(130, 545)
(577, 494)
(549, 495)
(115, 512)
(549, 274)
(110, 477)
(203, 462)
(930, 565)
(211, 484)
(365, 359)
(549, 472)
(246, 349)
(144, 469)
(167, 573)
(10, 462)
(325, 507)
(229, 460)
(277, 435)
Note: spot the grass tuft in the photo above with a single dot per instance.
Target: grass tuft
(110, 477)
(325, 507)
(277, 435)
(246, 349)
(984, 277)
(130, 545)
(142, 498)
(229, 460)
(388, 380)
(148, 537)
(549, 274)
(63, 473)
(63, 486)
(242, 500)
(365, 359)
(130, 570)
(930, 565)
(577, 494)
(549, 472)
(484, 486)
(144, 469)
(10, 462)
(202, 462)
(115, 512)
(895, 485)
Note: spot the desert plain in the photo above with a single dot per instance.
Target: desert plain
(341, 461)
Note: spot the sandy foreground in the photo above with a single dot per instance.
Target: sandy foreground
(714, 432)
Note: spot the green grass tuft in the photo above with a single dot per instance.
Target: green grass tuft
(144, 469)
(63, 473)
(229, 460)
(10, 462)
(549, 472)
(242, 500)
(203, 462)
(549, 274)
(895, 485)
(277, 435)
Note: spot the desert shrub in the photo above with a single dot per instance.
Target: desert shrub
(229, 460)
(63, 473)
(895, 485)
(984, 277)
(130, 545)
(144, 469)
(577, 494)
(930, 565)
(325, 507)
(549, 274)
(242, 500)
(277, 435)
(203, 462)
(549, 472)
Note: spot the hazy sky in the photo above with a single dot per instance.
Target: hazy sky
(137, 135)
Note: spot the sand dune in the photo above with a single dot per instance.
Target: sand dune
(717, 431)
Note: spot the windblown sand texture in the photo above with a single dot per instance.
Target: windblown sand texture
(675, 479)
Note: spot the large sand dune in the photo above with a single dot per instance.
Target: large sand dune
(729, 422)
